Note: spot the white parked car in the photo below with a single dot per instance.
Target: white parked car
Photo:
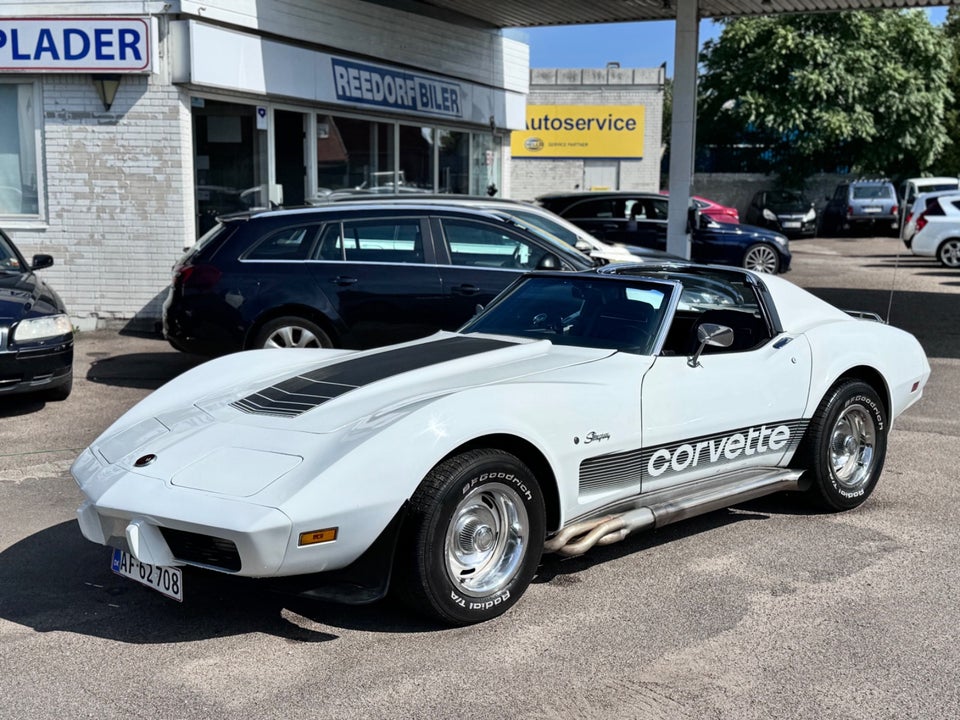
(913, 187)
(575, 409)
(938, 231)
(921, 202)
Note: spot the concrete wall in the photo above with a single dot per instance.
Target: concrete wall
(736, 190)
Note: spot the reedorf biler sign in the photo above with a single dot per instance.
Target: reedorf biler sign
(591, 131)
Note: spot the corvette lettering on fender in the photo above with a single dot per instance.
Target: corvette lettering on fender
(754, 441)
(605, 472)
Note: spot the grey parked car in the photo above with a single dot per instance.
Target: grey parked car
(864, 205)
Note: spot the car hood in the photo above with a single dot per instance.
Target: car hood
(748, 231)
(242, 399)
(23, 295)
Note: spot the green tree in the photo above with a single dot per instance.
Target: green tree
(864, 90)
(949, 162)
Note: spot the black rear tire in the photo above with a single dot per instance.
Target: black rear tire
(473, 538)
(845, 446)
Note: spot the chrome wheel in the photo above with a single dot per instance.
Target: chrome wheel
(761, 258)
(852, 443)
(486, 540)
(949, 253)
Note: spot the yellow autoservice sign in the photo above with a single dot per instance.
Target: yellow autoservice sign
(607, 131)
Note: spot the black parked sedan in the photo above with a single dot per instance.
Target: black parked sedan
(36, 335)
(786, 211)
(635, 218)
(353, 276)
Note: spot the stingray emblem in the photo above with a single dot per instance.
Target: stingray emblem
(145, 460)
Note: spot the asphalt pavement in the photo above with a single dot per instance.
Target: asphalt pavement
(761, 611)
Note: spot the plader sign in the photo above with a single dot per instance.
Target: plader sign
(607, 131)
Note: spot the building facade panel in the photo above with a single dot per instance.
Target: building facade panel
(613, 89)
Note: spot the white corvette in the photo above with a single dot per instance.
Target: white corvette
(577, 408)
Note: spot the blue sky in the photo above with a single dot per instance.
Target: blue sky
(635, 45)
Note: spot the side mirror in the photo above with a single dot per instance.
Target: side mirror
(583, 246)
(712, 335)
(549, 262)
(41, 261)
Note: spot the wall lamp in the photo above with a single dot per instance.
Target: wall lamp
(106, 85)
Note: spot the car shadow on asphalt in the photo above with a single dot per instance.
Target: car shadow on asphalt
(56, 580)
(144, 371)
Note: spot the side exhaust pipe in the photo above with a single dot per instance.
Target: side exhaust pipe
(663, 507)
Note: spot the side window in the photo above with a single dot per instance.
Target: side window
(388, 241)
(293, 243)
(476, 244)
(722, 301)
(330, 246)
(658, 209)
(600, 209)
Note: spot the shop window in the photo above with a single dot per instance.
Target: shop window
(230, 160)
(19, 192)
(454, 149)
(485, 179)
(416, 158)
(354, 154)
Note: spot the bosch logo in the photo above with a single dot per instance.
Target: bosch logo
(533, 144)
(145, 460)
(754, 441)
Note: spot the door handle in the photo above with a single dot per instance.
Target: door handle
(466, 289)
(610, 226)
(343, 280)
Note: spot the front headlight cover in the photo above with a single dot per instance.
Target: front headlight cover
(810, 216)
(41, 328)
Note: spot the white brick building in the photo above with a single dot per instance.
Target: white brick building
(232, 104)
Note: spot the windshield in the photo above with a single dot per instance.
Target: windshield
(581, 311)
(9, 258)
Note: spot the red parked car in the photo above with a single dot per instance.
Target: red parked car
(720, 213)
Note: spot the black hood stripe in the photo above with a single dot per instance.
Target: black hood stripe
(295, 396)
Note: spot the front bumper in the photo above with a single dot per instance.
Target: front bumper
(36, 367)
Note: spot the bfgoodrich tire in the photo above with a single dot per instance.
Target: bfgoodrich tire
(845, 446)
(473, 538)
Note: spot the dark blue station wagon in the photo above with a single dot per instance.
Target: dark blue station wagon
(354, 276)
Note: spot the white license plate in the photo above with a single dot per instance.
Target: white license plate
(791, 224)
(872, 210)
(165, 580)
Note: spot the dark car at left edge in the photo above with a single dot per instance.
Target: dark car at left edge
(352, 275)
(36, 335)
